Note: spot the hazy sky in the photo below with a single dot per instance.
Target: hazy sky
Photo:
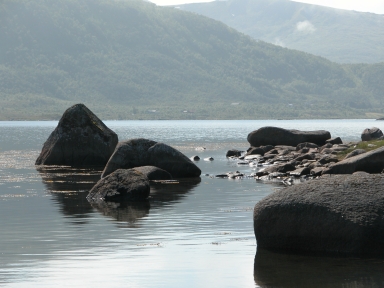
(374, 6)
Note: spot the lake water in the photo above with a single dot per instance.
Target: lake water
(195, 234)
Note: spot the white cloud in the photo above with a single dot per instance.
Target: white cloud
(279, 42)
(305, 26)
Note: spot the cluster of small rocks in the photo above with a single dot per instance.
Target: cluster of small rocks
(288, 163)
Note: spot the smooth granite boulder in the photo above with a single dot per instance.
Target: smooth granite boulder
(279, 136)
(333, 214)
(80, 139)
(121, 185)
(371, 134)
(370, 162)
(143, 152)
(154, 173)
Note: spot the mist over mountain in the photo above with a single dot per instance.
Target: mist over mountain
(339, 35)
(134, 60)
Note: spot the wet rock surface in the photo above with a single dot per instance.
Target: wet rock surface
(121, 185)
(80, 139)
(342, 214)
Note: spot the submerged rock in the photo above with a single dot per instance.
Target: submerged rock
(80, 139)
(333, 214)
(144, 152)
(279, 136)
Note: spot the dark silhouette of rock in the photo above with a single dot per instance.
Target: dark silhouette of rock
(371, 134)
(354, 153)
(154, 173)
(336, 140)
(80, 139)
(282, 168)
(143, 152)
(121, 185)
(233, 153)
(195, 158)
(256, 151)
(333, 214)
(370, 162)
(279, 136)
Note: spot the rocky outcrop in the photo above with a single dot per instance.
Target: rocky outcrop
(370, 162)
(144, 152)
(333, 214)
(121, 185)
(279, 136)
(336, 140)
(80, 139)
(371, 134)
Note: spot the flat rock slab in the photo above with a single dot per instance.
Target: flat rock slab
(80, 139)
(121, 185)
(279, 136)
(370, 162)
(143, 152)
(333, 214)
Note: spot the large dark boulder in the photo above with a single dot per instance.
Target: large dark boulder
(279, 136)
(143, 152)
(334, 214)
(121, 185)
(371, 162)
(371, 134)
(80, 139)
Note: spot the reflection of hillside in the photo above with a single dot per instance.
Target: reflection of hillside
(295, 271)
(164, 194)
(69, 188)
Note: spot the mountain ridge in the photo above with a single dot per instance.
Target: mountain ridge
(134, 60)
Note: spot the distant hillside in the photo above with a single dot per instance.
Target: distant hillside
(134, 60)
(339, 35)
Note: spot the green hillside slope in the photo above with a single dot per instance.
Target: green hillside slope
(134, 60)
(339, 35)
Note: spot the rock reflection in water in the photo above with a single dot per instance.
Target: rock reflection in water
(160, 195)
(295, 271)
(127, 213)
(69, 188)
(164, 194)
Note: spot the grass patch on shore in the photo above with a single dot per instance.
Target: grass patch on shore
(365, 145)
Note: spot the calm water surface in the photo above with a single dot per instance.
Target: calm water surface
(195, 234)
